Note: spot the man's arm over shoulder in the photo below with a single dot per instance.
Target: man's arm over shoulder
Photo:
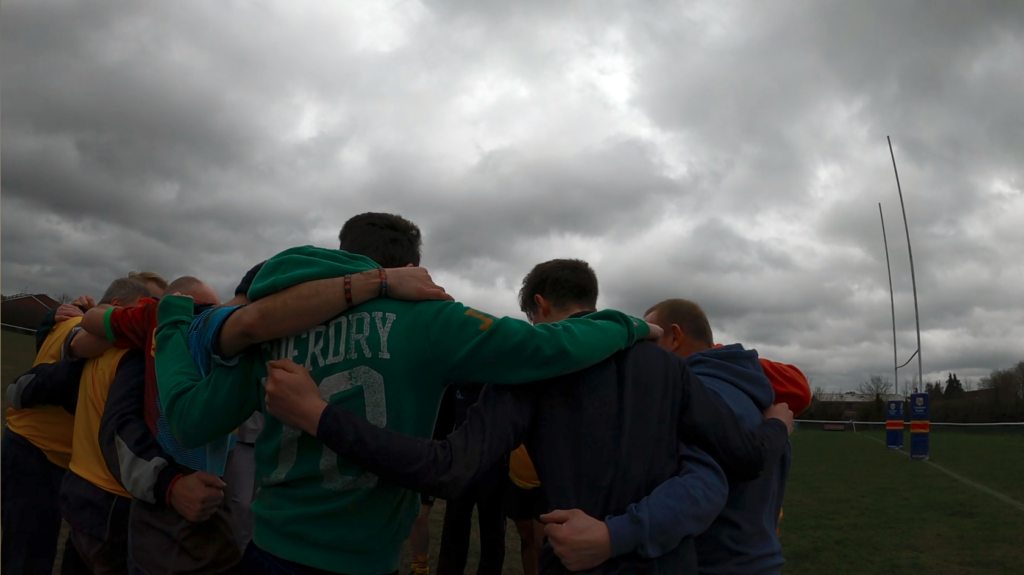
(316, 301)
(790, 385)
(84, 345)
(132, 454)
(198, 409)
(475, 346)
(296, 308)
(47, 384)
(707, 421)
(684, 506)
(494, 427)
(124, 327)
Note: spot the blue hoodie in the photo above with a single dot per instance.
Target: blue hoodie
(742, 539)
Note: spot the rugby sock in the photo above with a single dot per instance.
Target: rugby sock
(421, 565)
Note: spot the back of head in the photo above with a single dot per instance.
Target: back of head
(563, 283)
(124, 292)
(195, 288)
(157, 285)
(689, 316)
(388, 239)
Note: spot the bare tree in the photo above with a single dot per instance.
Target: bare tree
(817, 392)
(1007, 383)
(968, 384)
(1020, 374)
(64, 298)
(876, 385)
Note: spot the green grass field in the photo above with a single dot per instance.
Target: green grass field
(852, 507)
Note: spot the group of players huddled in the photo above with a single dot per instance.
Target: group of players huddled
(296, 429)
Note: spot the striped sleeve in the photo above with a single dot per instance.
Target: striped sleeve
(131, 452)
(130, 327)
(202, 338)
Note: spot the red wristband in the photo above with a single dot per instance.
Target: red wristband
(383, 282)
(348, 291)
(170, 486)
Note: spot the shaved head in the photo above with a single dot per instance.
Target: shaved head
(197, 289)
(687, 315)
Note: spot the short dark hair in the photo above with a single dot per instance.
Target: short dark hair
(561, 282)
(125, 289)
(388, 239)
(687, 315)
(248, 278)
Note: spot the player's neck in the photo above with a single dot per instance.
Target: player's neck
(565, 312)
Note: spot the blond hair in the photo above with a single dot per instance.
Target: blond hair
(149, 277)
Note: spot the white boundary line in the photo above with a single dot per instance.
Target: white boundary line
(1005, 499)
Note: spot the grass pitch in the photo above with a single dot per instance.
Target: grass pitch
(852, 506)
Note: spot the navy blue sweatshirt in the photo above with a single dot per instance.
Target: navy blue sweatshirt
(600, 438)
(742, 535)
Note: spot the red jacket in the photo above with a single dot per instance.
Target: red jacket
(790, 384)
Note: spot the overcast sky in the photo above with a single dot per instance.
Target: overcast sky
(732, 153)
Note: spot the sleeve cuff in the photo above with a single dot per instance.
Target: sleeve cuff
(324, 427)
(642, 329)
(623, 533)
(215, 351)
(174, 308)
(107, 329)
(66, 353)
(229, 362)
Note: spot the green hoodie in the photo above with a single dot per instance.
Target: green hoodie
(388, 360)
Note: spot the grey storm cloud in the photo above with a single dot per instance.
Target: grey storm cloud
(730, 153)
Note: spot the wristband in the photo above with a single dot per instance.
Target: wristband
(106, 325)
(348, 291)
(383, 282)
(170, 486)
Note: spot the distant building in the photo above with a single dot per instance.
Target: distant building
(849, 403)
(24, 312)
(983, 394)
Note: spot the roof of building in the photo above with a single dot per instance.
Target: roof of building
(856, 397)
(26, 311)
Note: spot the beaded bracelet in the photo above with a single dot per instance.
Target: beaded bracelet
(348, 291)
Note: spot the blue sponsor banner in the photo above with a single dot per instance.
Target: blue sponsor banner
(919, 426)
(894, 424)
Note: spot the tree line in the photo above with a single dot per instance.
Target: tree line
(996, 397)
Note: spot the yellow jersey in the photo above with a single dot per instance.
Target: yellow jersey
(86, 457)
(521, 470)
(48, 427)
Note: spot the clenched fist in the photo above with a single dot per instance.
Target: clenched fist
(293, 396)
(781, 412)
(580, 541)
(197, 496)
